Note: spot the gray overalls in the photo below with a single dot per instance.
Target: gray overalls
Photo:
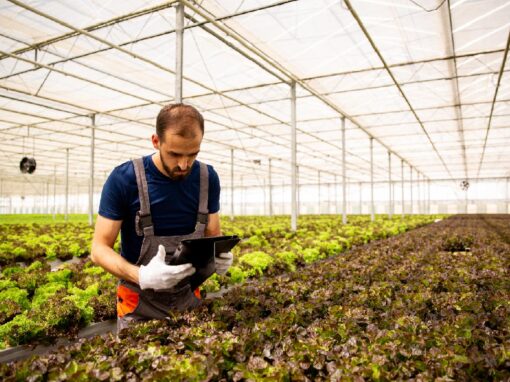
(134, 304)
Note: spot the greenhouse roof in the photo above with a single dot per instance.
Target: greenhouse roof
(428, 80)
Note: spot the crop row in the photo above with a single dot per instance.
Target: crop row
(270, 248)
(36, 241)
(39, 305)
(433, 303)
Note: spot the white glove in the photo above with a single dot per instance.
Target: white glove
(158, 275)
(223, 262)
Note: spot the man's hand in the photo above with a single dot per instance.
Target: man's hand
(158, 275)
(223, 262)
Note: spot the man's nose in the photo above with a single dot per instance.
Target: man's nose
(183, 164)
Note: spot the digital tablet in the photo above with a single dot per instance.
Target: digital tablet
(200, 253)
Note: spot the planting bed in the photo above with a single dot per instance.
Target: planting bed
(431, 303)
(40, 305)
(30, 242)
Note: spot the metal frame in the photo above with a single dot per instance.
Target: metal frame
(358, 165)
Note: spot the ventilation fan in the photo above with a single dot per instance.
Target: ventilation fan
(27, 165)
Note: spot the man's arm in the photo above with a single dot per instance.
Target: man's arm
(102, 254)
(213, 226)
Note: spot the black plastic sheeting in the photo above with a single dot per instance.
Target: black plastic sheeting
(24, 351)
(21, 352)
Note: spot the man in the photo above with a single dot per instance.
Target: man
(155, 202)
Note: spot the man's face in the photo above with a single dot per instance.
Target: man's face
(177, 153)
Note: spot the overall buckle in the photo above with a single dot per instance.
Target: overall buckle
(141, 222)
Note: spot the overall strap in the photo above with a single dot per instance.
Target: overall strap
(203, 211)
(143, 219)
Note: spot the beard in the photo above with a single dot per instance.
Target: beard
(175, 173)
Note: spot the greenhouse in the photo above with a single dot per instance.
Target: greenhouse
(362, 152)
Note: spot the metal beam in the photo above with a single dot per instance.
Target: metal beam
(428, 196)
(508, 195)
(390, 73)
(396, 112)
(336, 193)
(69, 74)
(130, 53)
(503, 63)
(449, 41)
(293, 155)
(91, 28)
(390, 193)
(343, 91)
(231, 184)
(270, 188)
(298, 197)
(402, 184)
(411, 189)
(419, 191)
(403, 64)
(66, 209)
(179, 44)
(273, 63)
(54, 192)
(360, 198)
(129, 16)
(319, 197)
(91, 180)
(372, 206)
(109, 113)
(344, 177)
(89, 111)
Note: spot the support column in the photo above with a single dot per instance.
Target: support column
(411, 186)
(231, 184)
(282, 194)
(428, 196)
(360, 198)
(344, 177)
(270, 189)
(372, 207)
(329, 198)
(91, 180)
(466, 201)
(54, 192)
(390, 209)
(402, 213)
(319, 185)
(335, 196)
(264, 196)
(179, 34)
(293, 161)
(298, 212)
(66, 209)
(243, 197)
(419, 191)
(507, 196)
(47, 209)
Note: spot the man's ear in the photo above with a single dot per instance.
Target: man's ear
(155, 141)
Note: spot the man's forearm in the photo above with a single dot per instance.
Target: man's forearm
(114, 263)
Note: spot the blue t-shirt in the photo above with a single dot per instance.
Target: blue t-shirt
(174, 204)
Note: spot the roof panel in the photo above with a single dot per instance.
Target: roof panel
(230, 77)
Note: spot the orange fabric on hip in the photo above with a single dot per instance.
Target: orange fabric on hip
(197, 293)
(127, 300)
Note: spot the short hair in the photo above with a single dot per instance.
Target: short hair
(178, 116)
